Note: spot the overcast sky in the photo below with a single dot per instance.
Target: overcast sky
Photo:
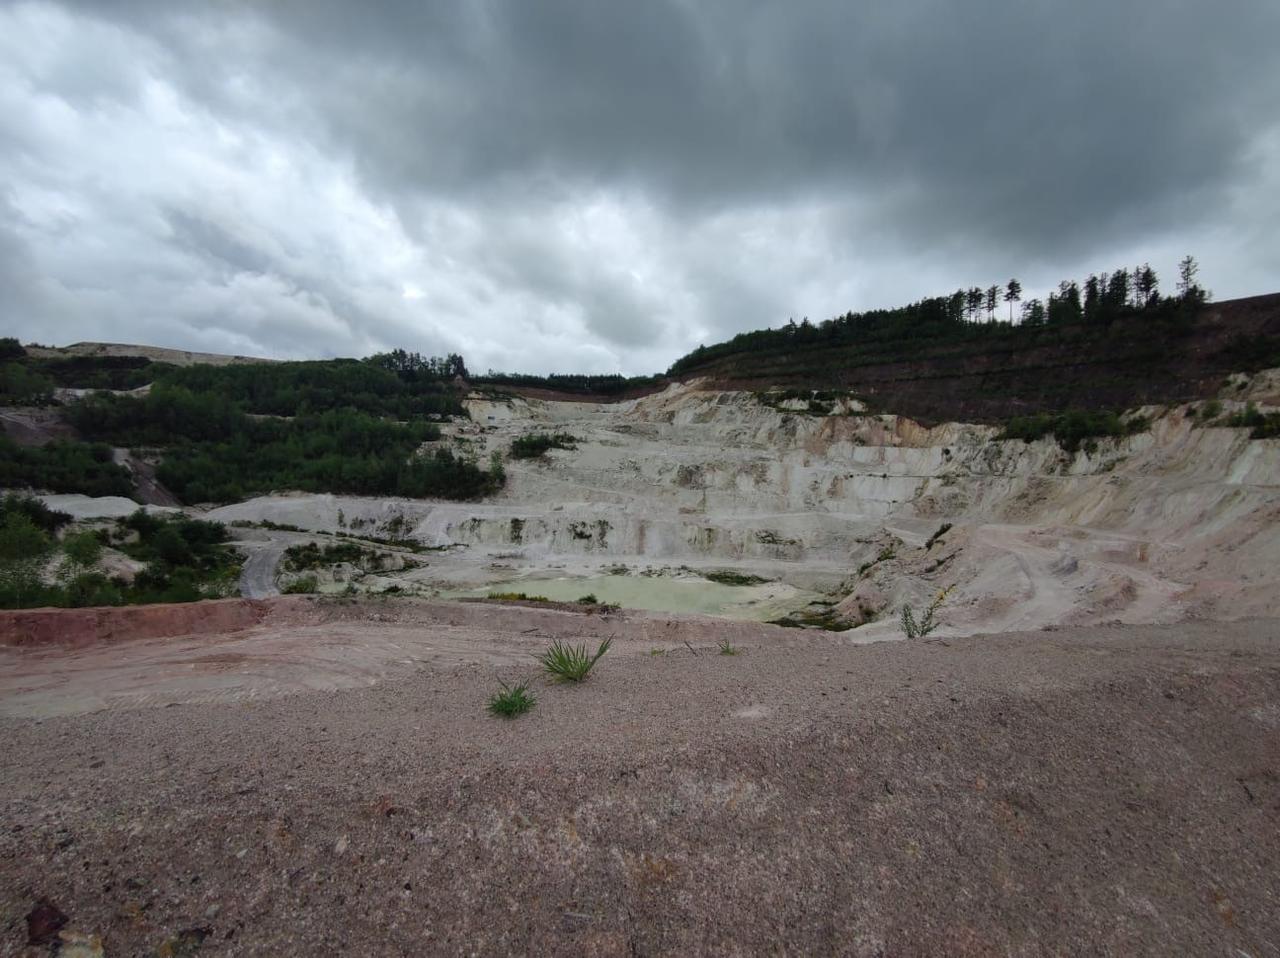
(593, 186)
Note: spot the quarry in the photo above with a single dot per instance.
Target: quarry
(841, 511)
(306, 765)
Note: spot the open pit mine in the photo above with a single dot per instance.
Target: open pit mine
(1081, 755)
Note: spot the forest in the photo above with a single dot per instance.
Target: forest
(223, 433)
(981, 317)
(213, 451)
(183, 559)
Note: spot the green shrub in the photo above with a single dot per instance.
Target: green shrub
(311, 555)
(537, 444)
(571, 663)
(63, 467)
(1071, 429)
(22, 386)
(1260, 425)
(49, 520)
(914, 629)
(303, 585)
(512, 700)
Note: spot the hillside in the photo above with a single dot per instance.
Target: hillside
(155, 354)
(989, 374)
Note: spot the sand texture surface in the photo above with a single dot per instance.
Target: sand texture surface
(1102, 790)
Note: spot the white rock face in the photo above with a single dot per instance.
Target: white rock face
(1177, 521)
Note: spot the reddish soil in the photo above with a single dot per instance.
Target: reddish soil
(80, 627)
(1093, 791)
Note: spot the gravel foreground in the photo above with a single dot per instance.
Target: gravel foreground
(1097, 791)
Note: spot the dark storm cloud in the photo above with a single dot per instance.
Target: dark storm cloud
(615, 182)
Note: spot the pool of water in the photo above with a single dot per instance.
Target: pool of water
(767, 600)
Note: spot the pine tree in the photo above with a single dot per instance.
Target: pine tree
(1033, 313)
(993, 300)
(1012, 294)
(1118, 291)
(1188, 290)
(1092, 299)
(973, 299)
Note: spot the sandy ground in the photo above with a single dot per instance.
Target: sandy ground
(1088, 791)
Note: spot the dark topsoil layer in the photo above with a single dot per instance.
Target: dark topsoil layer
(1105, 791)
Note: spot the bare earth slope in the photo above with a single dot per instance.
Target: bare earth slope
(1094, 791)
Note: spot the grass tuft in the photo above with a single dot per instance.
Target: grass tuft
(571, 663)
(728, 648)
(513, 700)
(516, 597)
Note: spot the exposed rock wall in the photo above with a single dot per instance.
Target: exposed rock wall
(1178, 520)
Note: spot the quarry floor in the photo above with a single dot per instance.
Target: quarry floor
(1101, 790)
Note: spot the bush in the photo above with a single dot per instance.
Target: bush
(1261, 425)
(24, 548)
(571, 663)
(313, 556)
(537, 444)
(21, 386)
(914, 629)
(49, 520)
(304, 585)
(187, 560)
(1071, 429)
(63, 467)
(512, 700)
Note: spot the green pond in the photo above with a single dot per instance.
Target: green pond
(767, 600)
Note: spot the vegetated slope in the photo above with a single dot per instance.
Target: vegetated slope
(221, 432)
(938, 371)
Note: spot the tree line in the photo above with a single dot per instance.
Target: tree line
(973, 314)
(213, 451)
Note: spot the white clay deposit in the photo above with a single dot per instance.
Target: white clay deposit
(1176, 522)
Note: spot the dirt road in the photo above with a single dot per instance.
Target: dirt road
(1096, 791)
(258, 574)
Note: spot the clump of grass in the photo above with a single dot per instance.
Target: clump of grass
(516, 597)
(588, 599)
(727, 648)
(571, 663)
(304, 585)
(1210, 410)
(513, 700)
(918, 629)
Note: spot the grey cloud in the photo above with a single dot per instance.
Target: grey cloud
(947, 144)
